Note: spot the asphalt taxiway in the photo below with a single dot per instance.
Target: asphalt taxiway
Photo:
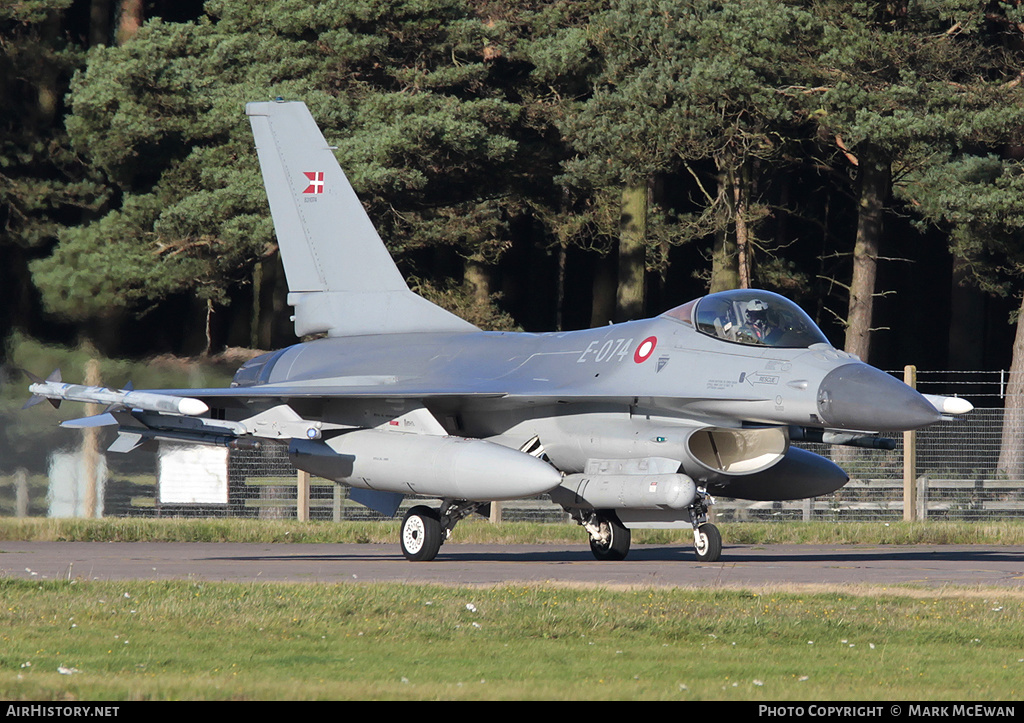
(933, 566)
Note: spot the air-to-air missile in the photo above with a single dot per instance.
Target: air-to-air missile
(56, 391)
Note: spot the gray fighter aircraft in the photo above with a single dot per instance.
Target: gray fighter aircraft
(627, 426)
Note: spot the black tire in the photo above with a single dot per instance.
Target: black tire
(421, 534)
(618, 542)
(709, 548)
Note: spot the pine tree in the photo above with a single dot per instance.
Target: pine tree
(897, 85)
(677, 86)
(43, 184)
(400, 87)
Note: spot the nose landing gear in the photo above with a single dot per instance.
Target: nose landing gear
(707, 540)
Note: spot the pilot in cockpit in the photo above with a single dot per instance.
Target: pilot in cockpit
(757, 324)
(754, 318)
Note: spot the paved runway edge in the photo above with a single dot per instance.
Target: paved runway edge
(930, 566)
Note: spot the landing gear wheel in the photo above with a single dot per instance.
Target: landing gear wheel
(708, 543)
(616, 545)
(421, 534)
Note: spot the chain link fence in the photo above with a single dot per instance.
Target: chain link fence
(44, 473)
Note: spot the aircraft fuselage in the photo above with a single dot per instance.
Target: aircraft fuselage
(720, 408)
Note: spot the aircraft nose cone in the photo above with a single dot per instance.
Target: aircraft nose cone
(858, 396)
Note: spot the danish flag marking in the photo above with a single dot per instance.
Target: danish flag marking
(316, 181)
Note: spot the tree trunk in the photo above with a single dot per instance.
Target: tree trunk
(478, 276)
(966, 344)
(1011, 448)
(208, 328)
(257, 292)
(629, 300)
(130, 18)
(725, 269)
(99, 22)
(875, 180)
(602, 308)
(560, 294)
(739, 209)
(49, 90)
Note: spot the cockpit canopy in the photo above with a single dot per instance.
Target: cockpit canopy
(751, 317)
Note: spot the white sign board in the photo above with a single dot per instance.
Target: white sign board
(68, 494)
(193, 474)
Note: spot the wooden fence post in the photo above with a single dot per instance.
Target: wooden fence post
(302, 496)
(910, 458)
(91, 445)
(21, 493)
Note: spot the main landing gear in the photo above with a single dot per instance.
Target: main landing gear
(422, 534)
(424, 529)
(609, 538)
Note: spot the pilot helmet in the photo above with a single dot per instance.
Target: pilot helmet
(757, 308)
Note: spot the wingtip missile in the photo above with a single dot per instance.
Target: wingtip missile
(55, 391)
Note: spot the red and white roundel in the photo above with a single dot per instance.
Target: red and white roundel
(646, 348)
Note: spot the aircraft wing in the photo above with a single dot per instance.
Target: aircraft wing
(512, 395)
(299, 390)
(197, 401)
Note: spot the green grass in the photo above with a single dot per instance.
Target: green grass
(480, 531)
(185, 640)
(279, 641)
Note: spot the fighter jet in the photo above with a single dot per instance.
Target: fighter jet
(632, 425)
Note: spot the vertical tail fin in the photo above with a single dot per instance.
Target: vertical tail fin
(341, 278)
